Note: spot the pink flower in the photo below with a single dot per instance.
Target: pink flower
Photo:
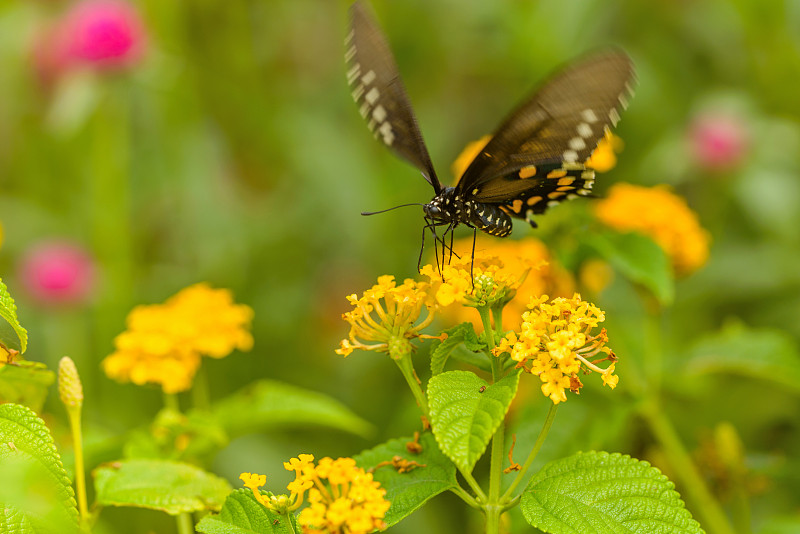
(102, 34)
(718, 141)
(58, 272)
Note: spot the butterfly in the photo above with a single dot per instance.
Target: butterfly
(535, 159)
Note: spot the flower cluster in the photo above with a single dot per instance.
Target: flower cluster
(58, 273)
(718, 140)
(528, 269)
(556, 342)
(661, 215)
(342, 498)
(386, 317)
(99, 34)
(164, 342)
(604, 157)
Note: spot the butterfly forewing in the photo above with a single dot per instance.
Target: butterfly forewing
(379, 93)
(554, 130)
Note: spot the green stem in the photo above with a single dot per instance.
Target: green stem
(406, 366)
(473, 484)
(109, 205)
(200, 395)
(706, 506)
(74, 413)
(466, 497)
(548, 422)
(171, 402)
(492, 509)
(185, 523)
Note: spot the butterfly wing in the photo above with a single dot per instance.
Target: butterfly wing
(380, 95)
(537, 154)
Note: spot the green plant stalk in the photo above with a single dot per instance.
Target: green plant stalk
(185, 523)
(548, 422)
(171, 402)
(492, 508)
(466, 497)
(406, 366)
(714, 519)
(74, 413)
(108, 208)
(200, 395)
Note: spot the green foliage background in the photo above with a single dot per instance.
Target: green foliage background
(233, 154)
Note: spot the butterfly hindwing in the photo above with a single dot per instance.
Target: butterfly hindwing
(557, 128)
(547, 187)
(379, 92)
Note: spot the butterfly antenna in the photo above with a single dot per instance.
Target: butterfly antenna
(390, 209)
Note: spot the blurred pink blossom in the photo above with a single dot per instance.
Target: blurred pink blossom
(718, 141)
(58, 272)
(101, 34)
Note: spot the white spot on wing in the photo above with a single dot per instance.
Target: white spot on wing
(387, 133)
(372, 95)
(577, 143)
(368, 78)
(358, 93)
(353, 73)
(379, 113)
(589, 116)
(350, 54)
(584, 130)
(570, 156)
(614, 116)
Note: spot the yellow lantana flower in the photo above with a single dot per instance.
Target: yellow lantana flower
(164, 343)
(527, 261)
(556, 342)
(387, 317)
(604, 157)
(342, 498)
(662, 215)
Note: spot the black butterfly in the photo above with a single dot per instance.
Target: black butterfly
(534, 160)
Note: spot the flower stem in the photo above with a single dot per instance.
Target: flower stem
(548, 422)
(406, 366)
(185, 523)
(171, 402)
(706, 506)
(492, 509)
(74, 413)
(200, 395)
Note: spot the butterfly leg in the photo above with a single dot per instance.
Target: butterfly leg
(472, 259)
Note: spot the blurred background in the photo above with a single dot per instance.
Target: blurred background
(146, 146)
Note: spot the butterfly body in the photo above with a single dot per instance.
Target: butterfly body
(535, 159)
(450, 207)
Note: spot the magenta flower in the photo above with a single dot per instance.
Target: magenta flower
(105, 33)
(58, 272)
(718, 141)
(100, 34)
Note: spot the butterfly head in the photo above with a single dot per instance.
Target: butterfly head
(446, 207)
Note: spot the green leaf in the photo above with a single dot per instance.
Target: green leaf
(762, 353)
(35, 491)
(243, 514)
(640, 259)
(268, 404)
(170, 487)
(17, 338)
(26, 383)
(598, 493)
(409, 491)
(456, 336)
(466, 410)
